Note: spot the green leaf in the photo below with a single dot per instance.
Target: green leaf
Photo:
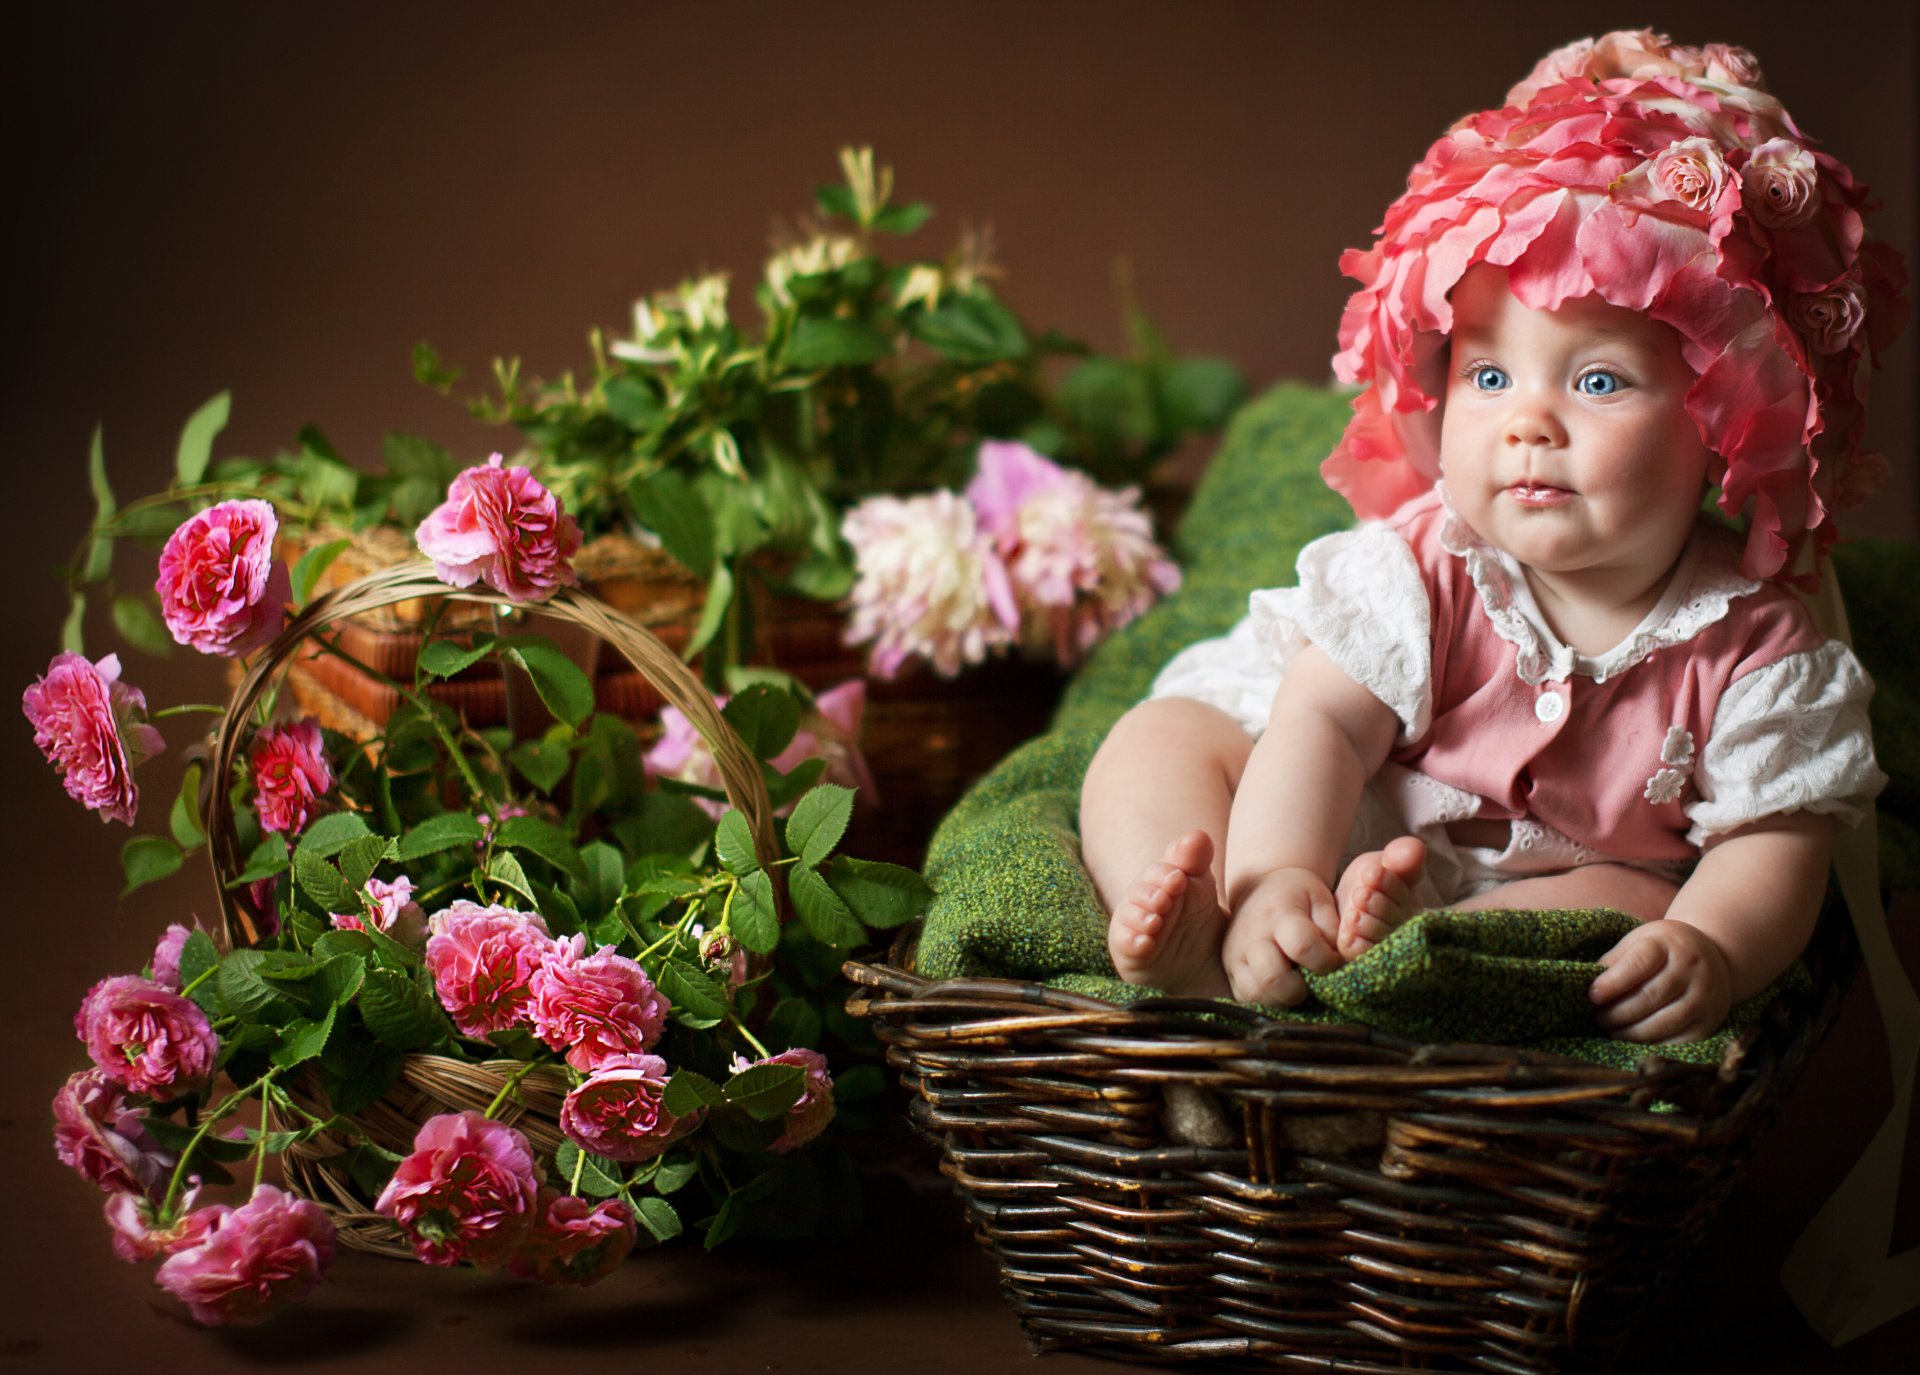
(881, 895)
(562, 684)
(631, 401)
(540, 763)
(444, 658)
(714, 614)
(794, 1022)
(606, 872)
(756, 922)
(818, 821)
(784, 789)
(357, 945)
(657, 1216)
(541, 837)
(448, 831)
(400, 1012)
(972, 329)
(696, 1002)
(100, 556)
(303, 1038)
(820, 908)
(505, 870)
(140, 626)
(830, 342)
(599, 1176)
(766, 1091)
(367, 1165)
(197, 956)
(340, 975)
(1201, 393)
(322, 884)
(196, 439)
(764, 718)
(331, 834)
(243, 987)
(733, 842)
(836, 200)
(857, 1082)
(73, 629)
(189, 832)
(902, 219)
(667, 504)
(269, 858)
(676, 1172)
(360, 858)
(687, 1092)
(147, 859)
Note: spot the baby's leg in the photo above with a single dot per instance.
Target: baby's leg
(1153, 816)
(1376, 894)
(1619, 886)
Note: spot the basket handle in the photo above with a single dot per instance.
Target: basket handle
(739, 771)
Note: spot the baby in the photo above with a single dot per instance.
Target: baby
(1539, 676)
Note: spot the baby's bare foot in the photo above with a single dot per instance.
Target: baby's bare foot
(1166, 932)
(1376, 894)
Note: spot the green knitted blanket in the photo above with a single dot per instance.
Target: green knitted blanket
(1013, 900)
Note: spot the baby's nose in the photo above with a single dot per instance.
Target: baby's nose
(1531, 425)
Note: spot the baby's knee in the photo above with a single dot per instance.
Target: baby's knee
(1171, 727)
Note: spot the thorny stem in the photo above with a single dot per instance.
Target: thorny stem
(513, 1082)
(751, 1039)
(212, 1119)
(199, 979)
(184, 708)
(579, 1164)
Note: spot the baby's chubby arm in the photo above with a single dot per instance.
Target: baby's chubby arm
(1326, 736)
(1740, 920)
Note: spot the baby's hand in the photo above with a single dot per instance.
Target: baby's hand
(1283, 924)
(1664, 981)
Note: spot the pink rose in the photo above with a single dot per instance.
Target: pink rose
(1691, 171)
(500, 526)
(92, 728)
(137, 1235)
(271, 1250)
(483, 960)
(1778, 184)
(831, 731)
(221, 590)
(618, 1112)
(166, 955)
(467, 1192)
(395, 913)
(1734, 65)
(146, 1038)
(597, 1007)
(1829, 319)
(574, 1242)
(290, 775)
(102, 1135)
(807, 1118)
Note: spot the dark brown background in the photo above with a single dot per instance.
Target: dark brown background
(282, 201)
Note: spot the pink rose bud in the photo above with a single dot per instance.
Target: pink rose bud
(467, 1192)
(138, 1235)
(271, 1250)
(618, 1112)
(574, 1242)
(483, 960)
(93, 729)
(1829, 319)
(145, 1038)
(166, 955)
(221, 590)
(290, 775)
(102, 1135)
(500, 526)
(1734, 65)
(723, 954)
(595, 1007)
(807, 1118)
(394, 912)
(1778, 184)
(1691, 171)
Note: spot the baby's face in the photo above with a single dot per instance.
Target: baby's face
(1565, 439)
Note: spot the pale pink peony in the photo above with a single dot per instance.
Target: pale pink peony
(1778, 184)
(928, 584)
(290, 775)
(92, 728)
(499, 526)
(395, 914)
(618, 1113)
(166, 955)
(102, 1135)
(574, 1241)
(830, 731)
(467, 1192)
(808, 1117)
(137, 1235)
(1830, 319)
(483, 960)
(1082, 558)
(221, 590)
(146, 1038)
(1691, 171)
(596, 1007)
(271, 1250)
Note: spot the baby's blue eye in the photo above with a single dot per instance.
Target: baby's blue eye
(1486, 377)
(1599, 383)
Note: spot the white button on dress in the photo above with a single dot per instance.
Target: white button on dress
(1549, 707)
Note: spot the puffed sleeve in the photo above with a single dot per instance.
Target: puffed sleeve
(1360, 598)
(1792, 736)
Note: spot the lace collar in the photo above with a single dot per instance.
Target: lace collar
(1705, 583)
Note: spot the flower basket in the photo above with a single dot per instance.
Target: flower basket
(430, 1085)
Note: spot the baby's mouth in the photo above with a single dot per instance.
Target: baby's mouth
(1531, 492)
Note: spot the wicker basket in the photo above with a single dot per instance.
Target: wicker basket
(433, 1084)
(1180, 1180)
